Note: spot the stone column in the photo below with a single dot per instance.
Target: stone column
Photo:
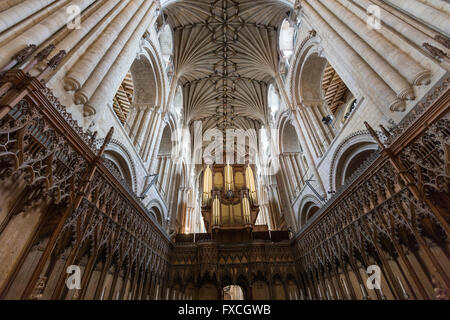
(157, 141)
(324, 111)
(146, 134)
(21, 11)
(277, 198)
(319, 130)
(111, 82)
(173, 184)
(301, 170)
(169, 179)
(319, 114)
(413, 33)
(390, 76)
(297, 171)
(140, 137)
(134, 128)
(355, 18)
(287, 181)
(309, 158)
(131, 118)
(161, 169)
(88, 88)
(98, 21)
(166, 176)
(432, 16)
(80, 72)
(177, 210)
(373, 85)
(152, 137)
(40, 32)
(4, 5)
(292, 175)
(310, 132)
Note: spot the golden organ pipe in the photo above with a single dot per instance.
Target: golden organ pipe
(250, 182)
(216, 211)
(207, 185)
(246, 209)
(229, 185)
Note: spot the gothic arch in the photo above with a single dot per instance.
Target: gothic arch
(166, 145)
(349, 155)
(289, 140)
(158, 212)
(307, 56)
(310, 80)
(148, 73)
(314, 80)
(144, 88)
(121, 158)
(308, 207)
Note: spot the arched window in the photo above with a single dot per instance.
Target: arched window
(287, 35)
(291, 142)
(166, 43)
(178, 102)
(273, 99)
(295, 168)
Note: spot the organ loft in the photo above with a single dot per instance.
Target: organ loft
(109, 110)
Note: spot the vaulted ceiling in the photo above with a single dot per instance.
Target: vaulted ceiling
(226, 53)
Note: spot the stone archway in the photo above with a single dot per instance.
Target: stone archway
(307, 212)
(349, 156)
(158, 212)
(233, 292)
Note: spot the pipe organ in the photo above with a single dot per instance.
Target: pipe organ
(230, 205)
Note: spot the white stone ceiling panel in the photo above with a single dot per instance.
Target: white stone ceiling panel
(226, 53)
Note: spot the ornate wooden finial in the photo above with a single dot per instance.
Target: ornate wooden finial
(435, 52)
(45, 52)
(109, 135)
(374, 135)
(24, 54)
(107, 140)
(385, 131)
(443, 40)
(53, 63)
